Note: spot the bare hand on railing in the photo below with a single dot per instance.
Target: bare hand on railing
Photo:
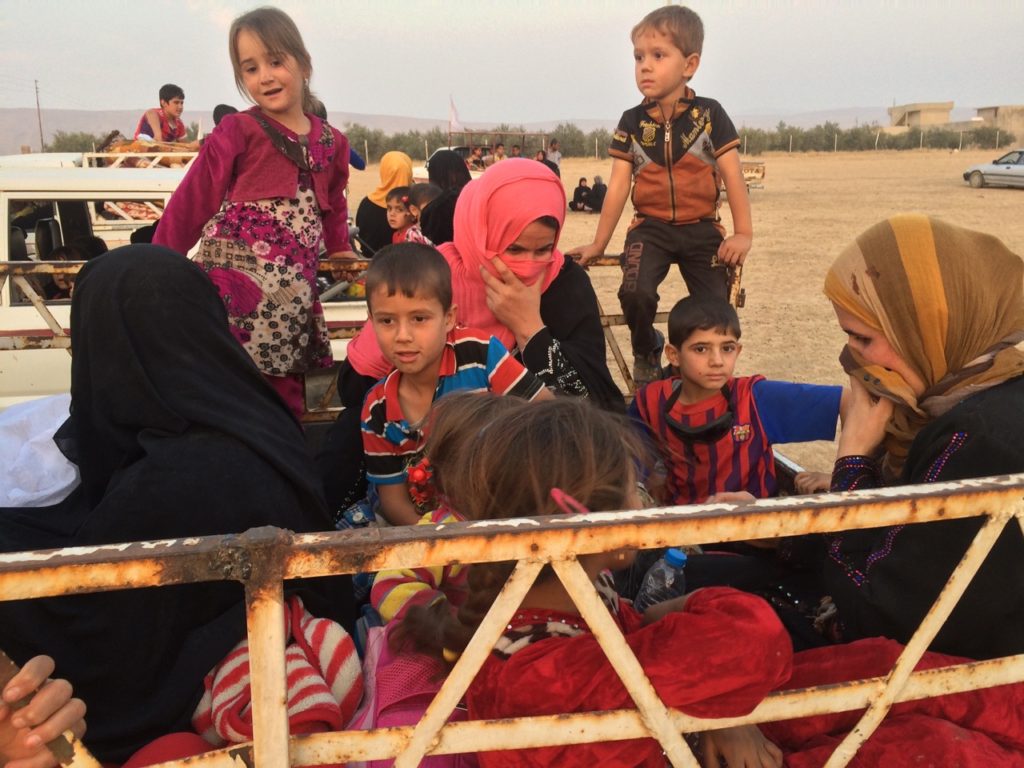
(584, 254)
(734, 249)
(812, 482)
(741, 746)
(50, 712)
(864, 428)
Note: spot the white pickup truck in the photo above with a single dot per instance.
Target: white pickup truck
(47, 202)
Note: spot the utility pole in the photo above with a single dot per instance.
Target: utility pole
(39, 117)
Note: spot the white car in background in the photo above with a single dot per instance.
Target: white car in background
(1007, 171)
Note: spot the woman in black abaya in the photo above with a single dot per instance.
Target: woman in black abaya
(176, 434)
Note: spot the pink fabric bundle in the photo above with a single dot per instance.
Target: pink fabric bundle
(325, 682)
(490, 215)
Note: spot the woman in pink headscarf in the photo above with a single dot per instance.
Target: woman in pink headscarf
(510, 279)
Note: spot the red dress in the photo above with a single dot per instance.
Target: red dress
(718, 658)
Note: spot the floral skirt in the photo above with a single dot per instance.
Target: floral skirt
(262, 256)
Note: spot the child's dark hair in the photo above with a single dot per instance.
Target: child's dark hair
(401, 194)
(423, 194)
(677, 22)
(509, 471)
(171, 91)
(701, 314)
(412, 268)
(89, 246)
(278, 33)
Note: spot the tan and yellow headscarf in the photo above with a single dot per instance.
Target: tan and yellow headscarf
(395, 171)
(950, 302)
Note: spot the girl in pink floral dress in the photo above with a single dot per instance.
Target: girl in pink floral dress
(267, 187)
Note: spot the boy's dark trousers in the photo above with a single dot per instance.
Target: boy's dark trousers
(651, 248)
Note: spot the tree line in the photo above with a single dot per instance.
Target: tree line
(574, 142)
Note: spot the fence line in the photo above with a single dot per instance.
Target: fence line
(262, 558)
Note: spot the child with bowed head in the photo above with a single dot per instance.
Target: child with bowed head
(267, 188)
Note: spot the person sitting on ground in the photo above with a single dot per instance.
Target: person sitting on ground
(449, 171)
(409, 300)
(580, 196)
(421, 197)
(595, 201)
(175, 434)
(933, 313)
(51, 711)
(164, 123)
(372, 214)
(713, 431)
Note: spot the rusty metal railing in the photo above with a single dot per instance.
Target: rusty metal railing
(261, 559)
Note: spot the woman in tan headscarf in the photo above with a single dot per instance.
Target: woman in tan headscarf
(933, 314)
(372, 216)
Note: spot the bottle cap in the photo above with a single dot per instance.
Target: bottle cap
(675, 557)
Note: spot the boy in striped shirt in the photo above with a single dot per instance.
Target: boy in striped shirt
(409, 296)
(713, 430)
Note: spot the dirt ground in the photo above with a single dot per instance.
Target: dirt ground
(810, 207)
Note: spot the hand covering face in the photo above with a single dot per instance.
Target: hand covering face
(949, 302)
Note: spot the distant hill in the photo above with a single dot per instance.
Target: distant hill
(20, 127)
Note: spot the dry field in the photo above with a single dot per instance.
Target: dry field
(810, 207)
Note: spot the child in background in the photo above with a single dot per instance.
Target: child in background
(420, 198)
(402, 219)
(547, 661)
(409, 298)
(713, 431)
(457, 423)
(267, 188)
(676, 148)
(164, 124)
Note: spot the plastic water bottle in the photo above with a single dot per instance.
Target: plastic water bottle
(663, 581)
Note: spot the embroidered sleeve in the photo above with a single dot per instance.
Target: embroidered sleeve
(936, 468)
(544, 356)
(852, 473)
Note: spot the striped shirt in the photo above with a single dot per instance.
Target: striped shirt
(394, 592)
(472, 361)
(764, 413)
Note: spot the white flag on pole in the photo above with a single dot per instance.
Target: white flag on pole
(453, 116)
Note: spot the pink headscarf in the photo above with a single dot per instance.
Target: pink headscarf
(490, 215)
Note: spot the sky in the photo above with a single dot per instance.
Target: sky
(519, 61)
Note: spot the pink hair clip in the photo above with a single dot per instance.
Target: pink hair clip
(567, 503)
